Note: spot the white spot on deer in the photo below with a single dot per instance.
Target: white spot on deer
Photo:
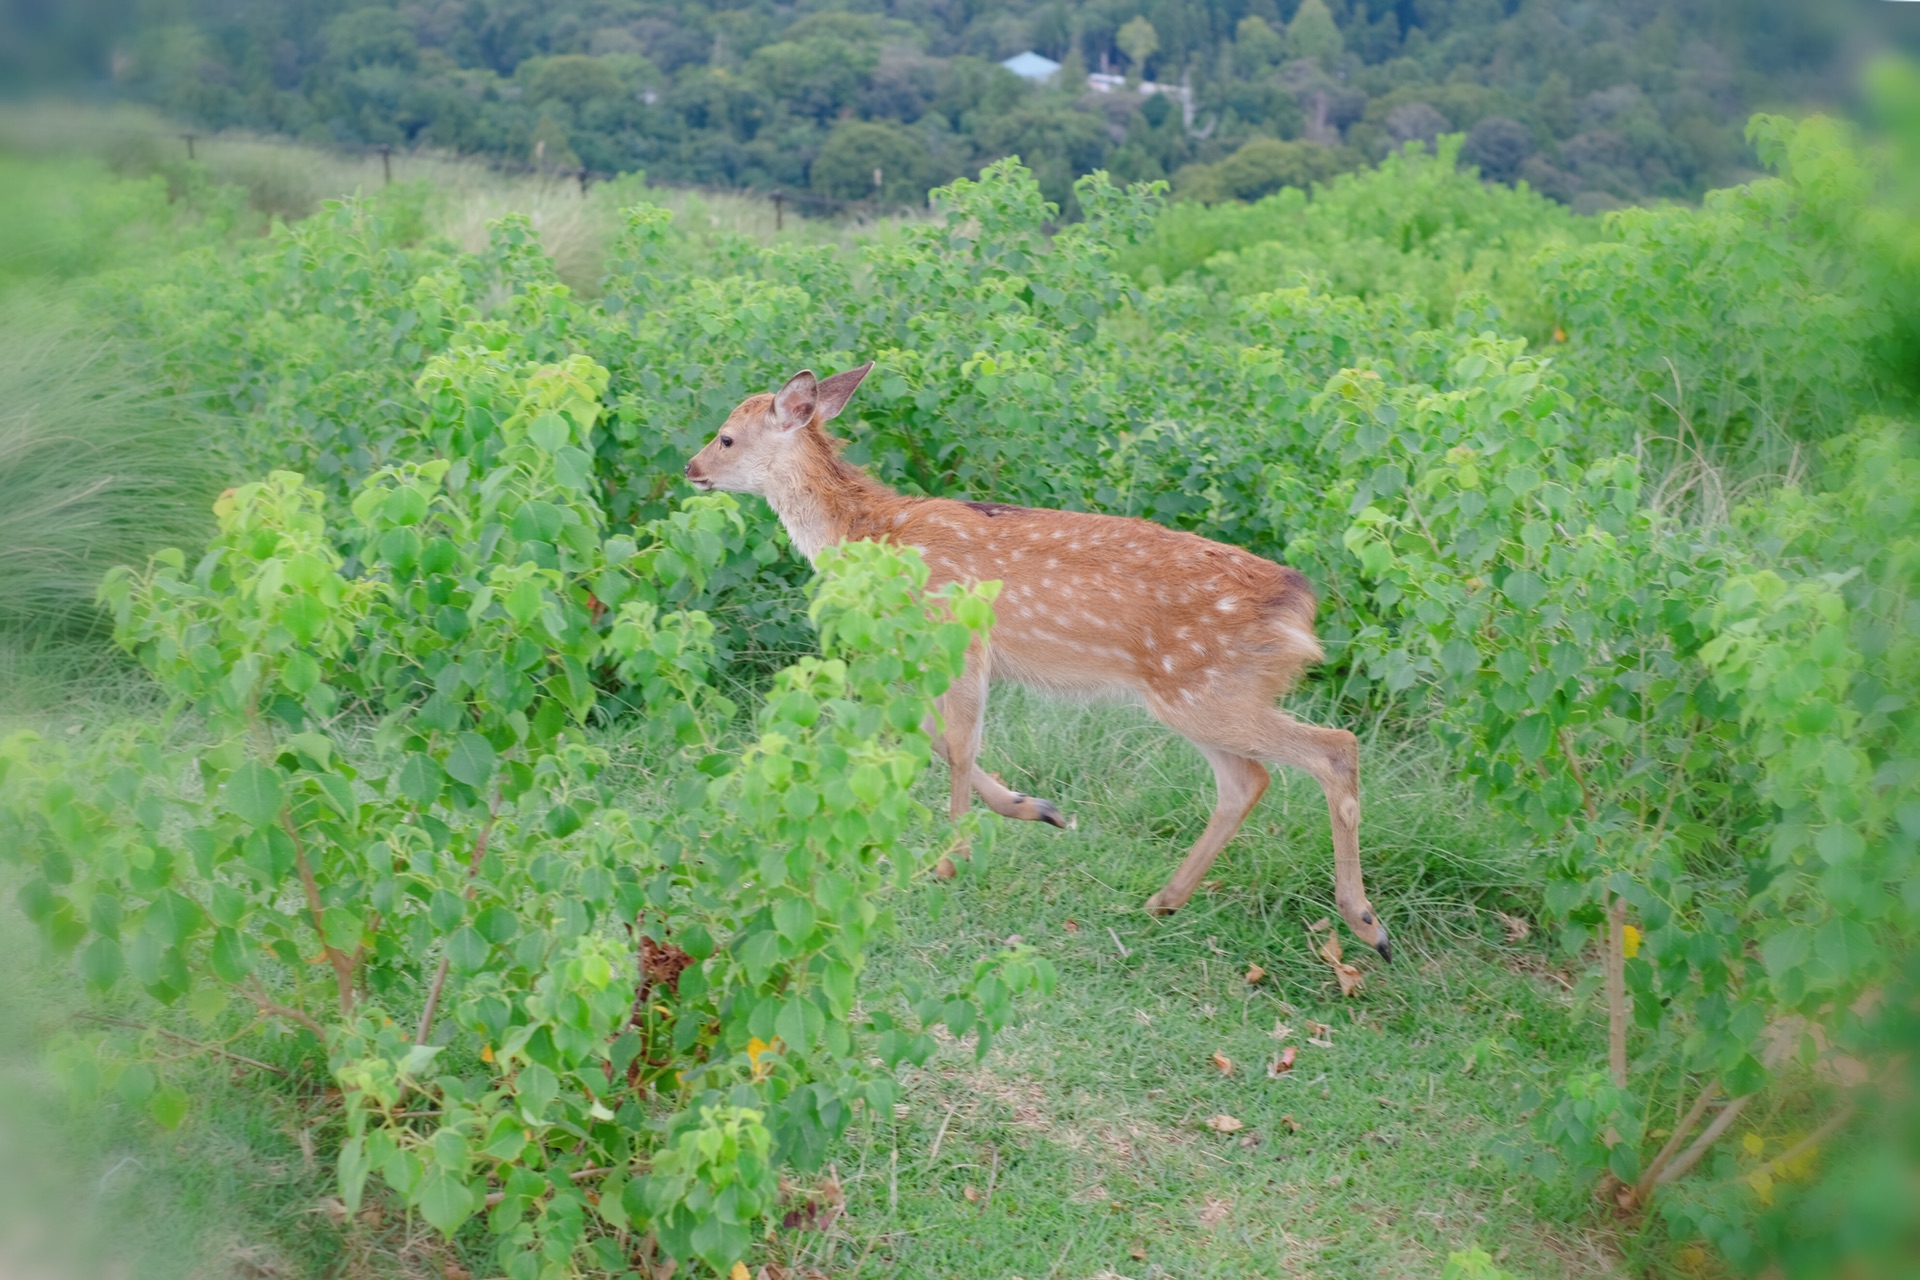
(1057, 533)
(1148, 636)
(1166, 664)
(1199, 648)
(1226, 604)
(1053, 562)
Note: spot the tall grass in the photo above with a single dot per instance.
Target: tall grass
(99, 466)
(456, 197)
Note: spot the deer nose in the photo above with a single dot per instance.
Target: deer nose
(690, 471)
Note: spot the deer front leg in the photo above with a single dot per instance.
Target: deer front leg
(1241, 782)
(962, 711)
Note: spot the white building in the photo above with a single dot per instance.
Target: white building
(1032, 66)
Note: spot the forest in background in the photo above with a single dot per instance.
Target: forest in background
(1593, 105)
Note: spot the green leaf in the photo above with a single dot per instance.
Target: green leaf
(420, 778)
(168, 1106)
(793, 917)
(353, 1168)
(444, 1200)
(548, 432)
(255, 793)
(472, 759)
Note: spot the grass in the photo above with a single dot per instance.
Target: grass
(457, 197)
(1083, 1136)
(99, 465)
(1081, 1146)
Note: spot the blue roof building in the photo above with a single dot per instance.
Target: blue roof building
(1031, 66)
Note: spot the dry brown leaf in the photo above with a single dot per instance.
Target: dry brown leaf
(1072, 925)
(1249, 1140)
(1324, 922)
(1281, 1065)
(1320, 1035)
(1223, 1062)
(1517, 929)
(1281, 1031)
(1255, 973)
(1224, 1124)
(1138, 1253)
(1292, 1125)
(972, 1195)
(1348, 975)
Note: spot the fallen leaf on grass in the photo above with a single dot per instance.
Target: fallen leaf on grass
(1281, 1031)
(1071, 926)
(740, 1272)
(1319, 1035)
(1281, 1065)
(1249, 1140)
(1255, 973)
(1347, 974)
(1223, 1062)
(972, 1195)
(1517, 929)
(1292, 1125)
(1224, 1124)
(1138, 1253)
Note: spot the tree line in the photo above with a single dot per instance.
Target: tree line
(1591, 105)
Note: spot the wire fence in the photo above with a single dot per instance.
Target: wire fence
(394, 161)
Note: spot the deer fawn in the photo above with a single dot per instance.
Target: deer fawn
(1204, 635)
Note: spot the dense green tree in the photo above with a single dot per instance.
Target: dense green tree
(1622, 102)
(1312, 32)
(856, 149)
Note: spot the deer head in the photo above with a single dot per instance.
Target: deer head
(759, 441)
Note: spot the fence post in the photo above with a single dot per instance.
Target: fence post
(189, 137)
(386, 164)
(583, 180)
(779, 210)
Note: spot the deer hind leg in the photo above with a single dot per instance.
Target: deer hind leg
(1240, 782)
(1332, 757)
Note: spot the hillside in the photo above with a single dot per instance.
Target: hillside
(1590, 104)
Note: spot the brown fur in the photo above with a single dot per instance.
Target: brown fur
(1203, 635)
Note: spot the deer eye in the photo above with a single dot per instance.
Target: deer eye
(726, 442)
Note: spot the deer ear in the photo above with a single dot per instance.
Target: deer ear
(837, 390)
(794, 404)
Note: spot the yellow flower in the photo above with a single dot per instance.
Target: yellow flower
(1629, 941)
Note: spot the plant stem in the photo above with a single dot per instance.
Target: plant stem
(1644, 1188)
(440, 972)
(265, 1004)
(1617, 1009)
(1692, 1156)
(342, 965)
(202, 1046)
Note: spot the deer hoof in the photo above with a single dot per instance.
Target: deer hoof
(1050, 815)
(1161, 904)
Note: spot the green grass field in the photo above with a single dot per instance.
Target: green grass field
(1081, 1146)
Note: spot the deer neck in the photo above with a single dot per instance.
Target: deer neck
(823, 500)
